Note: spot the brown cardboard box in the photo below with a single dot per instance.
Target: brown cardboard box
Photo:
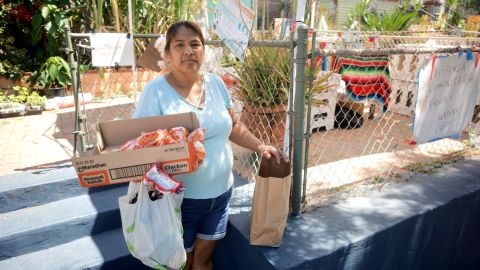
(108, 165)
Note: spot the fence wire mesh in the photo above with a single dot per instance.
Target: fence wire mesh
(363, 105)
(354, 143)
(259, 87)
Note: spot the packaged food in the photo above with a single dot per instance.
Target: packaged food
(200, 150)
(198, 136)
(149, 139)
(162, 181)
(131, 145)
(171, 136)
(179, 134)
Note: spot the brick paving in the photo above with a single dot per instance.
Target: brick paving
(43, 142)
(35, 141)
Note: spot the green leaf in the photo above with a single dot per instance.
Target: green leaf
(62, 79)
(45, 11)
(159, 267)
(44, 78)
(37, 28)
(52, 45)
(84, 68)
(177, 210)
(53, 71)
(58, 20)
(130, 247)
(130, 228)
(65, 65)
(48, 26)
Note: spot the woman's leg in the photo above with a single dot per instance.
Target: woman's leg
(188, 264)
(203, 258)
(209, 228)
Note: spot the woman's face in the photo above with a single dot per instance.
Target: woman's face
(186, 51)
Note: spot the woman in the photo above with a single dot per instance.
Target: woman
(186, 89)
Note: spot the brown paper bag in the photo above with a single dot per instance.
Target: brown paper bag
(270, 208)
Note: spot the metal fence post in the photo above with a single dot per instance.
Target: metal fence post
(299, 103)
(79, 126)
(308, 134)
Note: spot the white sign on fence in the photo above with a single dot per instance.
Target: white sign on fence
(233, 24)
(112, 49)
(446, 94)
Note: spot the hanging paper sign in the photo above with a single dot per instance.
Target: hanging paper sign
(282, 28)
(300, 15)
(112, 49)
(233, 24)
(446, 93)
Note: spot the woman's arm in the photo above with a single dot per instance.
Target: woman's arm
(243, 137)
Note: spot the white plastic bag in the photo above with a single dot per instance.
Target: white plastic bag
(153, 229)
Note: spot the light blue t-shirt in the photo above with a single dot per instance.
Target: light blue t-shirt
(214, 175)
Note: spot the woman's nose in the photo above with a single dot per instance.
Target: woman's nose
(188, 50)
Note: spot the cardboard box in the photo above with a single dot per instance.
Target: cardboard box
(108, 165)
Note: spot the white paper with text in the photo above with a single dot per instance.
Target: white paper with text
(233, 24)
(446, 95)
(112, 49)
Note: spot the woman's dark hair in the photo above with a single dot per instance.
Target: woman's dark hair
(173, 29)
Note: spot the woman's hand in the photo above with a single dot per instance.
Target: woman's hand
(150, 187)
(268, 151)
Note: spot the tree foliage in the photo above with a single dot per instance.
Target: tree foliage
(452, 14)
(31, 31)
(365, 17)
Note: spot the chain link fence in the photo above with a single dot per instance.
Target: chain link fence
(359, 106)
(359, 125)
(259, 87)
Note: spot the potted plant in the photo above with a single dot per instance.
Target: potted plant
(10, 106)
(52, 77)
(24, 101)
(263, 82)
(35, 103)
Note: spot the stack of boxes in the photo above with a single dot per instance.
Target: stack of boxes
(323, 113)
(323, 105)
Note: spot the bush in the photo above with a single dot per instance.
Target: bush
(13, 58)
(53, 73)
(34, 99)
(32, 31)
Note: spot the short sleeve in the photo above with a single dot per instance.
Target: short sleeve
(224, 91)
(147, 104)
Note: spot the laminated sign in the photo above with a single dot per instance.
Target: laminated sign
(112, 49)
(446, 94)
(233, 23)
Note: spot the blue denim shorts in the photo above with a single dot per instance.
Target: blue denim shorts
(204, 219)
